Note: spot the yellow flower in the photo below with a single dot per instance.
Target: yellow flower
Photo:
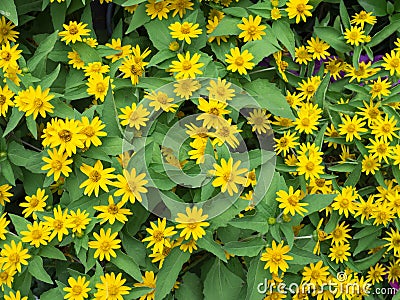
(135, 116)
(34, 203)
(105, 244)
(252, 30)
(68, 136)
(58, 223)
(13, 256)
(354, 36)
(335, 67)
(213, 113)
(306, 123)
(192, 223)
(92, 131)
(57, 163)
(3, 226)
(309, 166)
(159, 235)
(363, 17)
(78, 288)
(7, 277)
(4, 194)
(98, 86)
(290, 201)
(370, 164)
(309, 87)
(130, 186)
(12, 74)
(16, 296)
(159, 9)
(37, 102)
(276, 14)
(75, 60)
(344, 202)
(391, 62)
(5, 99)
(111, 287)
(228, 176)
(160, 100)
(339, 253)
(316, 274)
(380, 148)
(91, 42)
(149, 281)
(275, 257)
(97, 178)
(37, 234)
(362, 72)
(95, 68)
(73, 32)
(258, 119)
(318, 48)
(112, 212)
(376, 273)
(220, 90)
(189, 246)
(339, 235)
(78, 220)
(9, 56)
(239, 62)
(184, 31)
(180, 6)
(186, 67)
(299, 9)
(225, 133)
(380, 88)
(352, 127)
(302, 56)
(285, 143)
(199, 147)
(185, 88)
(370, 112)
(7, 34)
(124, 51)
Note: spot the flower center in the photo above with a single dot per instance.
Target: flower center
(354, 35)
(344, 203)
(100, 88)
(186, 65)
(395, 62)
(95, 176)
(310, 166)
(113, 290)
(36, 234)
(293, 201)
(185, 29)
(158, 235)
(76, 290)
(158, 6)
(214, 111)
(283, 142)
(73, 29)
(58, 224)
(14, 258)
(386, 128)
(34, 202)
(315, 274)
(56, 165)
(252, 30)
(276, 258)
(351, 128)
(320, 182)
(65, 135)
(2, 99)
(337, 233)
(300, 8)
(6, 55)
(224, 132)
(113, 209)
(3, 276)
(105, 246)
(89, 131)
(381, 149)
(239, 61)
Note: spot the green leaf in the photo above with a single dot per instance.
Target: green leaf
(321, 91)
(258, 222)
(191, 288)
(58, 12)
(269, 96)
(36, 269)
(31, 124)
(227, 26)
(378, 7)
(18, 155)
(208, 243)
(249, 248)
(370, 260)
(139, 18)
(161, 56)
(110, 115)
(86, 53)
(9, 10)
(344, 167)
(169, 273)
(384, 33)
(333, 37)
(42, 51)
(221, 283)
(138, 292)
(7, 171)
(51, 252)
(19, 223)
(317, 202)
(49, 79)
(16, 116)
(127, 264)
(236, 12)
(52, 294)
(354, 176)
(344, 15)
(284, 34)
(260, 48)
(256, 275)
